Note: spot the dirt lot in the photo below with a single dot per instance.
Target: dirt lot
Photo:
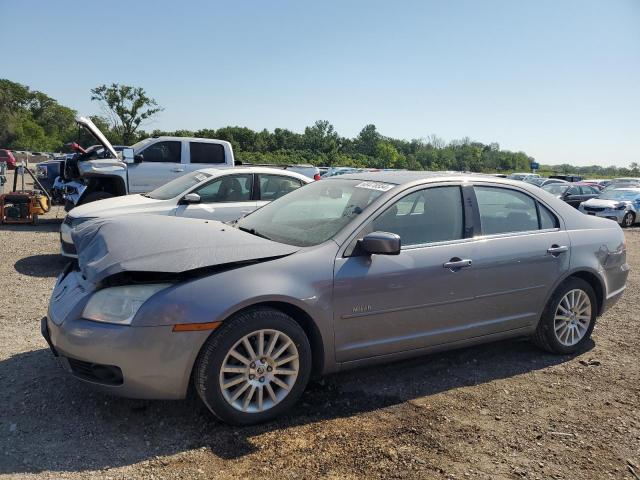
(498, 411)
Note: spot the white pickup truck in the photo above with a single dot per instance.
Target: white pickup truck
(103, 171)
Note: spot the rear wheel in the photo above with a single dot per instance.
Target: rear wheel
(254, 368)
(568, 319)
(628, 220)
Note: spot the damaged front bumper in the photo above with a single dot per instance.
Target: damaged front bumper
(137, 362)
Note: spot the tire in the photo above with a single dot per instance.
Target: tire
(628, 220)
(94, 196)
(209, 378)
(554, 332)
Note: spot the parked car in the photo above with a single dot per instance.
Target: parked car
(541, 181)
(572, 193)
(616, 183)
(348, 271)
(599, 182)
(210, 194)
(621, 205)
(7, 157)
(567, 178)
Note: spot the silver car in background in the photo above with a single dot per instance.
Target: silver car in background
(212, 194)
(620, 204)
(344, 272)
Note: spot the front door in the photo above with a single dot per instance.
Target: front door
(161, 163)
(424, 296)
(225, 198)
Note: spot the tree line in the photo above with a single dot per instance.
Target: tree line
(31, 120)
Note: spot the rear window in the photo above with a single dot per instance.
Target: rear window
(206, 152)
(4, 154)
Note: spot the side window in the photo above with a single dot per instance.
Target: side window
(573, 191)
(230, 188)
(503, 210)
(206, 152)
(586, 190)
(163, 152)
(547, 219)
(430, 215)
(275, 186)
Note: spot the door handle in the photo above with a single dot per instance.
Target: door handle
(177, 170)
(556, 250)
(456, 264)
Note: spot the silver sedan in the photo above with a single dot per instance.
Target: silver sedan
(345, 272)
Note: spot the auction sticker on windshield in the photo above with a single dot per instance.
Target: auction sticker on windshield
(382, 187)
(200, 177)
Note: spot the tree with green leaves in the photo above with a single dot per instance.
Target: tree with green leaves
(127, 108)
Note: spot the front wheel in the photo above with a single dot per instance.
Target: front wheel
(628, 220)
(254, 367)
(568, 319)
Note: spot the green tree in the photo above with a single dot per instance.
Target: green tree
(127, 107)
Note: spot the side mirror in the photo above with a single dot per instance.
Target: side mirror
(127, 155)
(138, 158)
(380, 243)
(191, 198)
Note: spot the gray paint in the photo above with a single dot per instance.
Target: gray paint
(153, 243)
(366, 309)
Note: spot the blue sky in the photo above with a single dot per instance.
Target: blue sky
(559, 80)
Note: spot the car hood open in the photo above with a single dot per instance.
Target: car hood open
(87, 124)
(152, 243)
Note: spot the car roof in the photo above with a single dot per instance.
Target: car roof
(217, 172)
(409, 176)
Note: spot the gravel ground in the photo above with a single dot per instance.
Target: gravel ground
(502, 410)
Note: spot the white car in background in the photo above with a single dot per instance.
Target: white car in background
(211, 194)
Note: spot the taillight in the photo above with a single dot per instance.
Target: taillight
(316, 176)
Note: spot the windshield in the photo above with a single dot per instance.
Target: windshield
(140, 144)
(620, 195)
(177, 186)
(314, 213)
(556, 189)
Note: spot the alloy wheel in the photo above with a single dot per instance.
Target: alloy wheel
(572, 317)
(259, 371)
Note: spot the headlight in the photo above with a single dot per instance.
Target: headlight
(119, 304)
(621, 206)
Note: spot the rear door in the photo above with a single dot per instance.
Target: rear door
(161, 163)
(204, 155)
(589, 192)
(226, 198)
(521, 253)
(272, 186)
(385, 304)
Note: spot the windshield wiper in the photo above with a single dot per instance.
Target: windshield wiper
(253, 231)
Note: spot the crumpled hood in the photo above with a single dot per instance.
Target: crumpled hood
(152, 243)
